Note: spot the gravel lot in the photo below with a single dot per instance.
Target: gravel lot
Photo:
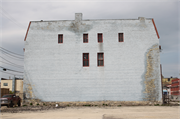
(104, 112)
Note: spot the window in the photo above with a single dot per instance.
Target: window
(100, 37)
(121, 37)
(85, 59)
(5, 84)
(85, 38)
(60, 38)
(100, 57)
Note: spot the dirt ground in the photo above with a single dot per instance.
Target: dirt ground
(123, 112)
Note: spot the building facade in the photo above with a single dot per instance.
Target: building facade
(167, 81)
(18, 86)
(175, 89)
(92, 60)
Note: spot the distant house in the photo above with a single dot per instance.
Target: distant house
(167, 81)
(93, 60)
(8, 83)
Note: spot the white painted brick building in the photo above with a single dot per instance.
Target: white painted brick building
(54, 68)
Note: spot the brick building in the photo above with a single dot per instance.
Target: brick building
(175, 90)
(93, 60)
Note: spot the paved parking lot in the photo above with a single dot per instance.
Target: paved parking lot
(124, 112)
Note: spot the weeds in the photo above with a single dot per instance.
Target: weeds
(105, 105)
(87, 105)
(156, 104)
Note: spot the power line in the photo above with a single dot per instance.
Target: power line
(11, 62)
(9, 17)
(11, 73)
(21, 57)
(11, 52)
(11, 65)
(11, 69)
(11, 56)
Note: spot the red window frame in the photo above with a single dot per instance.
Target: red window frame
(100, 59)
(121, 37)
(85, 59)
(85, 38)
(60, 38)
(100, 37)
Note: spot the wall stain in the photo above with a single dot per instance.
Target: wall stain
(79, 27)
(151, 77)
(29, 87)
(100, 46)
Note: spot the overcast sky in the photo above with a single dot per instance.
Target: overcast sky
(16, 15)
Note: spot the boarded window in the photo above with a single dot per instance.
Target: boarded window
(85, 59)
(100, 37)
(121, 37)
(60, 38)
(100, 59)
(85, 38)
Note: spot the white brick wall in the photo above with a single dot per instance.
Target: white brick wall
(55, 71)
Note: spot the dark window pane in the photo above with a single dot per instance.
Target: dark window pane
(100, 56)
(60, 38)
(86, 56)
(99, 37)
(85, 59)
(85, 38)
(85, 63)
(120, 37)
(101, 62)
(100, 59)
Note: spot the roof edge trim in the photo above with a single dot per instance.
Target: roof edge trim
(27, 31)
(155, 28)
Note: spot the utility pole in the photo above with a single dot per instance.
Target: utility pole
(14, 84)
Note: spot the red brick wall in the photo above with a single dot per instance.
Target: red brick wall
(175, 87)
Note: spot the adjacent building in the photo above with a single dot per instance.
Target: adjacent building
(167, 81)
(175, 89)
(17, 88)
(92, 60)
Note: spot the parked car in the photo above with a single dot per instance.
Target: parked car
(10, 99)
